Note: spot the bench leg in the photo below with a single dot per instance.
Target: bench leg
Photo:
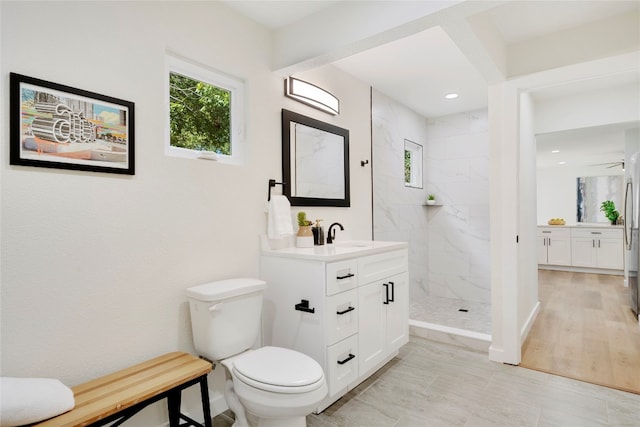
(206, 410)
(173, 404)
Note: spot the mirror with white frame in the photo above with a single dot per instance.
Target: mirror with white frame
(315, 161)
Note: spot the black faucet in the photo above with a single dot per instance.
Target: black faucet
(331, 235)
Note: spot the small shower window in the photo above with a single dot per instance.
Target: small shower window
(412, 164)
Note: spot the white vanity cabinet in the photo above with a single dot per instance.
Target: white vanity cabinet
(597, 248)
(554, 246)
(383, 297)
(352, 307)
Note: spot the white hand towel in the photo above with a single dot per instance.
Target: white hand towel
(28, 400)
(279, 218)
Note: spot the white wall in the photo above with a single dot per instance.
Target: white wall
(587, 108)
(527, 232)
(94, 265)
(557, 192)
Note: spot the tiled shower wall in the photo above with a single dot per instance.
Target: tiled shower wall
(458, 232)
(448, 244)
(398, 211)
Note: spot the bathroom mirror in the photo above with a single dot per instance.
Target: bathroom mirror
(315, 161)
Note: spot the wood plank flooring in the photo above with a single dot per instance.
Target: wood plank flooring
(585, 330)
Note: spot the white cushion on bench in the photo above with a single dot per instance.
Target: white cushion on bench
(27, 400)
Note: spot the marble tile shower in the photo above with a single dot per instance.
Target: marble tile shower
(448, 245)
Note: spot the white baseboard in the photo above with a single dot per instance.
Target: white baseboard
(217, 402)
(496, 355)
(526, 328)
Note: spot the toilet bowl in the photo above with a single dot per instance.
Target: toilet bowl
(280, 387)
(265, 387)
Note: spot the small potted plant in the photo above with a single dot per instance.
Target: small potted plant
(431, 199)
(304, 238)
(609, 209)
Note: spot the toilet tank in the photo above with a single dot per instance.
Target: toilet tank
(225, 316)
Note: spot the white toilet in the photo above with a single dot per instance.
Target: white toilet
(277, 386)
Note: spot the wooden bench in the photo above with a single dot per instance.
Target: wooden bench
(116, 397)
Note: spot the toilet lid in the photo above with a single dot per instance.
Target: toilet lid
(276, 366)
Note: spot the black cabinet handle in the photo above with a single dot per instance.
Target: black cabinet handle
(303, 305)
(386, 291)
(393, 292)
(345, 311)
(351, 356)
(345, 277)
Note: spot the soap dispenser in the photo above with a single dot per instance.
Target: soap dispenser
(318, 233)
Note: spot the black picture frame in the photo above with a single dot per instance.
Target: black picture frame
(58, 126)
(289, 167)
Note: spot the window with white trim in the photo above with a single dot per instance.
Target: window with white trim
(205, 113)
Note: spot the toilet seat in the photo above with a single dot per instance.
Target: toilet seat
(279, 370)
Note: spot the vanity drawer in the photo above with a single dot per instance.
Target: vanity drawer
(342, 316)
(376, 267)
(342, 276)
(555, 232)
(342, 361)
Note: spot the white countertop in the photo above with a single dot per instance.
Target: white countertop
(584, 225)
(337, 251)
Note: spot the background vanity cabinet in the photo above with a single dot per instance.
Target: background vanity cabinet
(554, 246)
(354, 313)
(597, 248)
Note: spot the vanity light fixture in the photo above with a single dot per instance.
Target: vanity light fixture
(311, 95)
(451, 95)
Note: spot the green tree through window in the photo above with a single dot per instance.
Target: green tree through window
(407, 166)
(200, 115)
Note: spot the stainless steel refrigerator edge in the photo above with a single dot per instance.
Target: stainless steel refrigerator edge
(631, 223)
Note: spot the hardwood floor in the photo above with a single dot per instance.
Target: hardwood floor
(585, 330)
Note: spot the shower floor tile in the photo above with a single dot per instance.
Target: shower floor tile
(446, 312)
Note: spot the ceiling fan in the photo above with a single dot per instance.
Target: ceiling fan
(610, 165)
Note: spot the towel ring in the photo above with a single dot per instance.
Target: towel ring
(273, 183)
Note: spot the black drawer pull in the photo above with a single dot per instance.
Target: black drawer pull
(393, 292)
(386, 293)
(351, 356)
(345, 277)
(303, 305)
(345, 311)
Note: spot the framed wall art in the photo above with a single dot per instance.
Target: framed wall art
(57, 126)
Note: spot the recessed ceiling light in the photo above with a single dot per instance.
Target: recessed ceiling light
(555, 151)
(451, 96)
(562, 163)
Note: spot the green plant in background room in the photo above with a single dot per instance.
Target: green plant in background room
(609, 209)
(431, 197)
